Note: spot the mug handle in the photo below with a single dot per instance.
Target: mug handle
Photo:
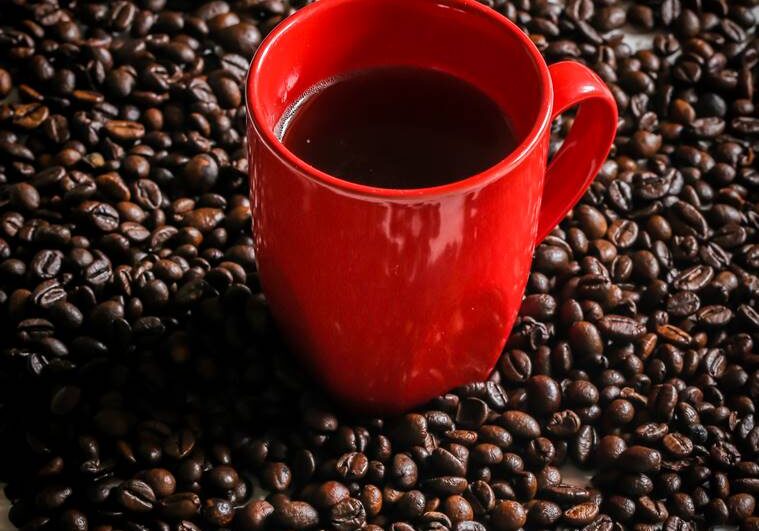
(586, 146)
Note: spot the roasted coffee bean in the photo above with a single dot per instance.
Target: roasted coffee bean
(29, 116)
(222, 478)
(47, 293)
(581, 514)
(543, 513)
(581, 393)
(677, 445)
(584, 444)
(683, 506)
(620, 327)
(716, 512)
(471, 413)
(47, 263)
(276, 476)
(486, 454)
(253, 516)
(508, 516)
(410, 505)
(520, 424)
(620, 508)
(160, 480)
(541, 451)
(136, 496)
(651, 511)
(640, 459)
(180, 506)
(609, 18)
(74, 520)
(740, 507)
(458, 509)
(53, 497)
(201, 172)
(124, 130)
(564, 424)
(609, 448)
(446, 485)
(347, 515)
(516, 366)
(566, 494)
(620, 412)
(403, 471)
(295, 514)
(411, 430)
(446, 462)
(683, 303)
(585, 338)
(24, 196)
(330, 493)
(218, 512)
(694, 278)
(543, 394)
(6, 83)
(371, 498)
(352, 466)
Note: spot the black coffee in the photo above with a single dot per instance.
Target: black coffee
(398, 127)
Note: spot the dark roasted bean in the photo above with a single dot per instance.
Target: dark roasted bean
(136, 496)
(581, 514)
(180, 506)
(508, 516)
(585, 338)
(543, 395)
(516, 366)
(295, 514)
(566, 494)
(520, 424)
(348, 515)
(640, 459)
(620, 327)
(253, 516)
(610, 447)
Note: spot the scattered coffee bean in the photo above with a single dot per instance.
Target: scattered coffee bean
(508, 516)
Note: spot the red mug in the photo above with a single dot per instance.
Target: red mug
(393, 296)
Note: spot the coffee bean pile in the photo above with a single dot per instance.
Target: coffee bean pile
(142, 384)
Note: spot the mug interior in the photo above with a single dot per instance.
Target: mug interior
(461, 37)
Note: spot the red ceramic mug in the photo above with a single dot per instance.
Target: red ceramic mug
(393, 296)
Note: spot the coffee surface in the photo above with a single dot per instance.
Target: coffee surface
(398, 127)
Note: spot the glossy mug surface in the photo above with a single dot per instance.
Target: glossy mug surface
(392, 296)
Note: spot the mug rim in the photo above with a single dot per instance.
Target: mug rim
(502, 167)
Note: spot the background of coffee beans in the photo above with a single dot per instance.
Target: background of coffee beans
(142, 386)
